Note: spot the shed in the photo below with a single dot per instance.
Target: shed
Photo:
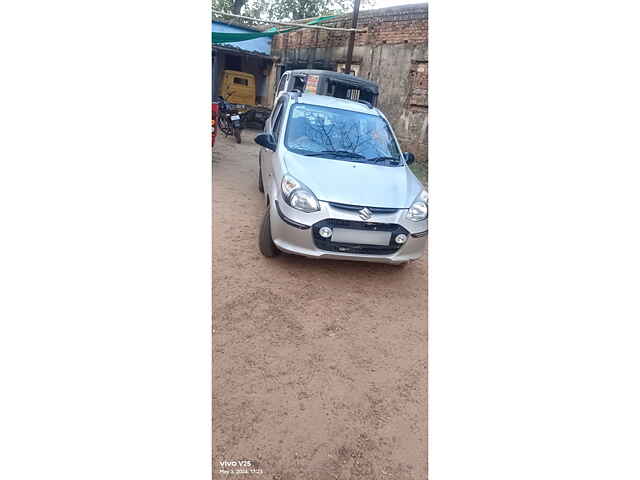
(250, 56)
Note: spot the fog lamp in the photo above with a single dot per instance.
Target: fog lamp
(325, 232)
(401, 238)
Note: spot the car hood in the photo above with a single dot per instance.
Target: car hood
(355, 183)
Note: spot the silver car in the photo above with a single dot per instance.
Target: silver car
(336, 185)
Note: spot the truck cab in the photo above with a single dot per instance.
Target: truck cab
(330, 83)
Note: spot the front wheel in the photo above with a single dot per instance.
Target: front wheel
(236, 133)
(225, 126)
(267, 247)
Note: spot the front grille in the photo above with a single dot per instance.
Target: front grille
(344, 206)
(327, 244)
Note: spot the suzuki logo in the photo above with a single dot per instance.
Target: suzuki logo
(365, 214)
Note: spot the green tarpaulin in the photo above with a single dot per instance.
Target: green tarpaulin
(223, 37)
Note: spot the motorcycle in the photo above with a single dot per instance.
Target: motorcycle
(229, 119)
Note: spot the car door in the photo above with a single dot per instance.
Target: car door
(267, 157)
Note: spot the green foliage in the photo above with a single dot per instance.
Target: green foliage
(288, 9)
(230, 6)
(222, 5)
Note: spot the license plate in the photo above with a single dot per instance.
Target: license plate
(235, 117)
(364, 237)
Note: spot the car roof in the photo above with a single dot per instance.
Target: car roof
(333, 102)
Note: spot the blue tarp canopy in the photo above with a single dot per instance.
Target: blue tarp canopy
(227, 37)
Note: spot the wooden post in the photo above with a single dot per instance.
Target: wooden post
(352, 36)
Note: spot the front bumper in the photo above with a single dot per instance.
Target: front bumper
(293, 232)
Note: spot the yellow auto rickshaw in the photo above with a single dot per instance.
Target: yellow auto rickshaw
(239, 87)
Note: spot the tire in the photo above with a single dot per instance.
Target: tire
(236, 133)
(260, 184)
(224, 125)
(267, 247)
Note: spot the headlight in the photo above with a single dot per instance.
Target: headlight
(298, 196)
(419, 209)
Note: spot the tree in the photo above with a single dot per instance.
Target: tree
(287, 9)
(237, 6)
(230, 6)
(298, 9)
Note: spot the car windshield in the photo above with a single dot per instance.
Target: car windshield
(315, 130)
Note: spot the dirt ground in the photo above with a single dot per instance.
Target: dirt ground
(319, 367)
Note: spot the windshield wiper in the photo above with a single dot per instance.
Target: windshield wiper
(341, 153)
(381, 159)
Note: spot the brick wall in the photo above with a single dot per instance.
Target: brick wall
(395, 25)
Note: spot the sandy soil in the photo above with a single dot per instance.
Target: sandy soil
(319, 366)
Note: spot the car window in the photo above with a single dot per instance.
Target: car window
(274, 115)
(278, 120)
(298, 83)
(350, 135)
(281, 84)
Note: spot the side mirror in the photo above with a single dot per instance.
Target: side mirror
(267, 141)
(409, 158)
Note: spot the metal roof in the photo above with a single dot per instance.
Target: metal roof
(228, 48)
(237, 24)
